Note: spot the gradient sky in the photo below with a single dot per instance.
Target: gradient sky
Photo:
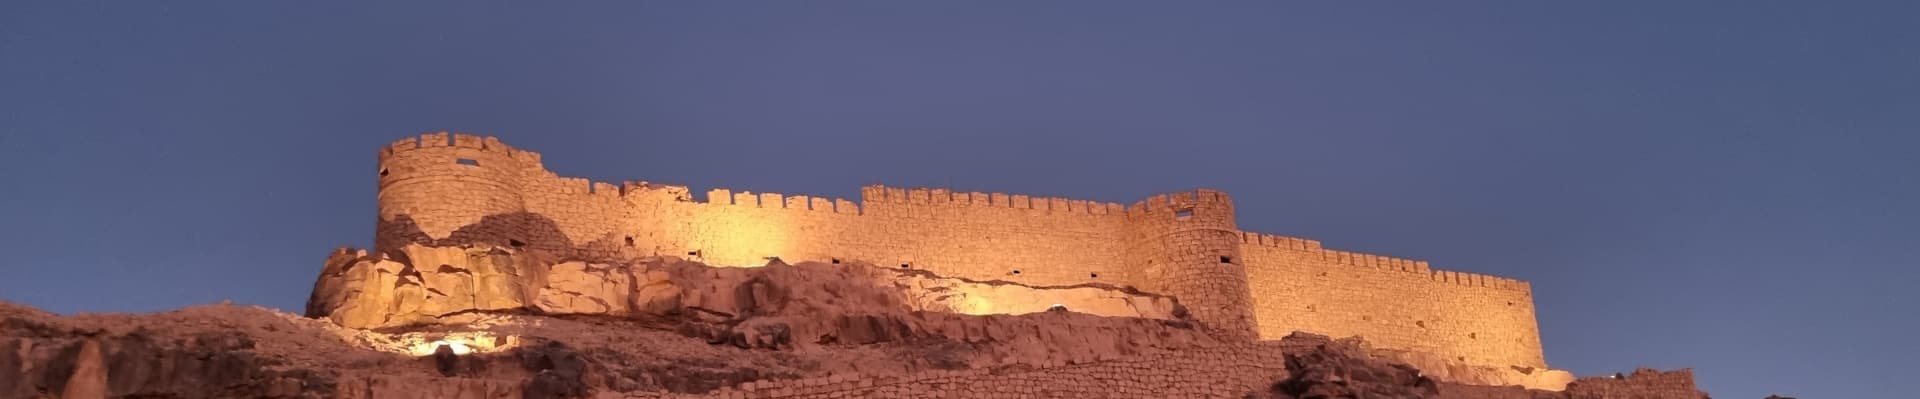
(1727, 187)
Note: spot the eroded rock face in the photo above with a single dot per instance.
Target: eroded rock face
(777, 307)
(1439, 368)
(419, 285)
(1319, 368)
(930, 292)
(39, 360)
(248, 352)
(233, 352)
(782, 306)
(89, 378)
(675, 329)
(1322, 368)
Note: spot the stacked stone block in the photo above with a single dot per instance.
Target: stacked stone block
(1219, 372)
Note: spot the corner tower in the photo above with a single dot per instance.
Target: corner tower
(446, 189)
(1187, 245)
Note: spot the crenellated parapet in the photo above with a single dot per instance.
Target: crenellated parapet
(721, 196)
(1381, 262)
(930, 196)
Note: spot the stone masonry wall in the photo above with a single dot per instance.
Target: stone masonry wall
(1186, 245)
(1394, 303)
(1643, 383)
(1218, 372)
(450, 189)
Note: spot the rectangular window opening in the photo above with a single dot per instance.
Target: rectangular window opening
(1183, 214)
(1226, 259)
(467, 161)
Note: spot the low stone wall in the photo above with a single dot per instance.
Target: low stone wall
(1218, 372)
(1643, 383)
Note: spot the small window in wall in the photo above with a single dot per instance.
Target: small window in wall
(694, 253)
(836, 261)
(1093, 275)
(516, 243)
(906, 266)
(1183, 214)
(383, 172)
(629, 241)
(467, 161)
(1226, 259)
(1016, 272)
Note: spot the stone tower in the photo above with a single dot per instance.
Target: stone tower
(449, 190)
(1186, 244)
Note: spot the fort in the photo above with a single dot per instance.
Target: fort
(452, 189)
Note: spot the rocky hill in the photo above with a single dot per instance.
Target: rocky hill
(486, 322)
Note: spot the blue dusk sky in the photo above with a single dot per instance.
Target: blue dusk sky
(1729, 187)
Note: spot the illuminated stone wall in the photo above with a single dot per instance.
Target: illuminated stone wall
(1394, 303)
(443, 189)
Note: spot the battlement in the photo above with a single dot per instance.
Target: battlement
(445, 188)
(1385, 263)
(928, 196)
(1174, 202)
(721, 196)
(458, 140)
(1269, 240)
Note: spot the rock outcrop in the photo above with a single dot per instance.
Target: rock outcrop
(484, 322)
(779, 306)
(419, 285)
(1438, 368)
(246, 352)
(1322, 368)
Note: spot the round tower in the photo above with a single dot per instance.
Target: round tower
(1188, 246)
(448, 190)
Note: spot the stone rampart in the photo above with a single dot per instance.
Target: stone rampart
(445, 189)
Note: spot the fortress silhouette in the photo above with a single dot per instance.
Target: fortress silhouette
(452, 189)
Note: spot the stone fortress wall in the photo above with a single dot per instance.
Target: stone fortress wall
(446, 189)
